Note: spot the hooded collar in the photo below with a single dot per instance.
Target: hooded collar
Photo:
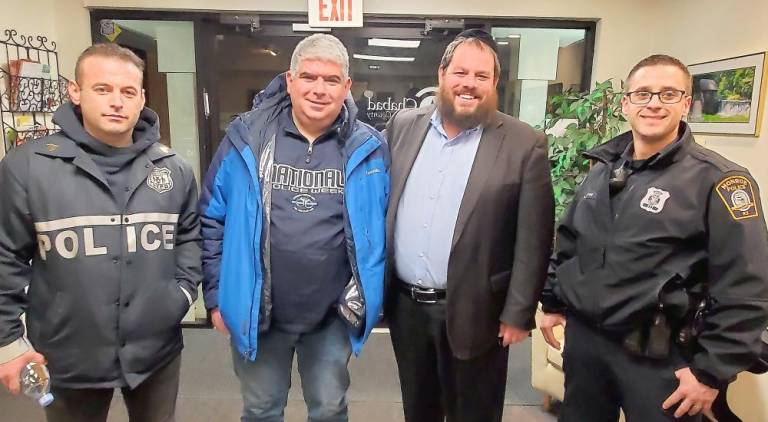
(69, 118)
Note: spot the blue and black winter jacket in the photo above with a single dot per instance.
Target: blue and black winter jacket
(235, 216)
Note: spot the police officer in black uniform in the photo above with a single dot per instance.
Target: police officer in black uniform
(660, 267)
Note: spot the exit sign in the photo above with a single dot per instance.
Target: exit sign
(335, 13)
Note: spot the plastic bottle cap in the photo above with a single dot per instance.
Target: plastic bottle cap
(46, 400)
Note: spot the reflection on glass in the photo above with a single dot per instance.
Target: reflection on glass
(393, 68)
(537, 63)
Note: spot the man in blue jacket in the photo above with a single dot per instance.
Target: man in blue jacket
(293, 212)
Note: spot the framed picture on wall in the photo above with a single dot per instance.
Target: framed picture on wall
(728, 95)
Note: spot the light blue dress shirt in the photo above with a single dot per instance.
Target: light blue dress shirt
(429, 205)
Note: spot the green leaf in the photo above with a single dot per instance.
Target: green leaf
(582, 112)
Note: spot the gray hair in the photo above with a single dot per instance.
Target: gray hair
(323, 47)
(451, 50)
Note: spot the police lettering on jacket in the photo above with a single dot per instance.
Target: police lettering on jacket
(79, 236)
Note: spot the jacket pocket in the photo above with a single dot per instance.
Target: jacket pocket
(590, 256)
(167, 313)
(500, 281)
(52, 328)
(186, 294)
(54, 312)
(570, 287)
(184, 299)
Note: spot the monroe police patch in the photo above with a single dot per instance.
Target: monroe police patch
(160, 179)
(739, 196)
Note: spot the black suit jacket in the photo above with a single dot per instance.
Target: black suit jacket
(503, 235)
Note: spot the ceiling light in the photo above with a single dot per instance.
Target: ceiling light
(513, 36)
(304, 27)
(384, 42)
(267, 51)
(383, 58)
(503, 43)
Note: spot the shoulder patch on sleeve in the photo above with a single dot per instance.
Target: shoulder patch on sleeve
(738, 195)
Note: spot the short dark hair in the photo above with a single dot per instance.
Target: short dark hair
(108, 50)
(477, 37)
(663, 60)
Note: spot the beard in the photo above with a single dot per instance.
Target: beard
(482, 114)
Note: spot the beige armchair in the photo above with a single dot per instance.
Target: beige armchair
(747, 396)
(547, 365)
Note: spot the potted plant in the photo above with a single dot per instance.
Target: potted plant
(576, 122)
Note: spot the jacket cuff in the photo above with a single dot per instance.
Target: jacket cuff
(521, 318)
(13, 350)
(708, 380)
(550, 305)
(211, 299)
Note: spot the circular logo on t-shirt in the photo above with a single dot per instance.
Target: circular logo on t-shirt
(303, 203)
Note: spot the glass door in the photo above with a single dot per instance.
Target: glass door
(394, 61)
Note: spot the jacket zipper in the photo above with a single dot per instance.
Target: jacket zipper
(264, 245)
(309, 153)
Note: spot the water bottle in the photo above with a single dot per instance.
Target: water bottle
(36, 383)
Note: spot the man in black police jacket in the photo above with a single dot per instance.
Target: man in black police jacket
(660, 266)
(100, 221)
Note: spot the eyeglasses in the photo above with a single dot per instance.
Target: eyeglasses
(667, 96)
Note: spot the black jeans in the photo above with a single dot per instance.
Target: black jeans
(601, 377)
(154, 400)
(435, 384)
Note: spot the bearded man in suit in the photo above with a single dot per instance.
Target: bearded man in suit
(469, 233)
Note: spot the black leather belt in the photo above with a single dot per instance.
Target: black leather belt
(420, 294)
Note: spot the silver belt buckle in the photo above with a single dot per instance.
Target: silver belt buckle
(429, 290)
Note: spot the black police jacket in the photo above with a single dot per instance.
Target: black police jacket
(686, 218)
(109, 282)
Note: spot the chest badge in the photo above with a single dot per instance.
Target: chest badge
(160, 179)
(654, 200)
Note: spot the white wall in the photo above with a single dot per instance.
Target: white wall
(72, 23)
(17, 15)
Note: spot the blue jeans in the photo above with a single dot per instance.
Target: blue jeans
(322, 356)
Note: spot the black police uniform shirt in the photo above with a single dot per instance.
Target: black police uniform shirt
(309, 261)
(685, 217)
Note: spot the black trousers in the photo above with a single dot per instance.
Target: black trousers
(436, 385)
(154, 400)
(601, 377)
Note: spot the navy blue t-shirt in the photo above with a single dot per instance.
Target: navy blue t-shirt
(310, 266)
